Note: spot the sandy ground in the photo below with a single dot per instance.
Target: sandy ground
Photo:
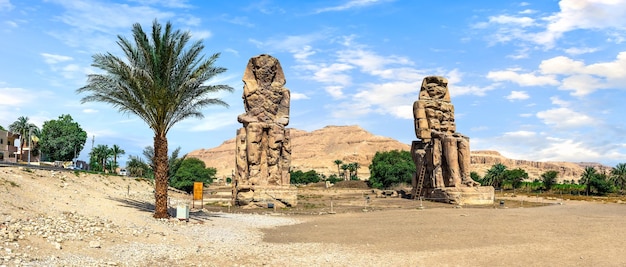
(572, 234)
(391, 233)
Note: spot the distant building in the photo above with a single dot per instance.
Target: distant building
(8, 150)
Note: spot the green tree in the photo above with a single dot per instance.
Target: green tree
(618, 176)
(22, 127)
(137, 167)
(192, 170)
(62, 139)
(299, 177)
(515, 177)
(2, 128)
(494, 176)
(390, 168)
(163, 81)
(100, 154)
(116, 151)
(338, 162)
(587, 177)
(549, 179)
(600, 182)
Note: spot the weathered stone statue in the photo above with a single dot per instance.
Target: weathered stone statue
(441, 156)
(263, 144)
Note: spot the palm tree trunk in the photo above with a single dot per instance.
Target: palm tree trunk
(160, 177)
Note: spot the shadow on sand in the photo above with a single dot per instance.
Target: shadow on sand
(198, 215)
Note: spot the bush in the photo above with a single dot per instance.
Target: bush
(333, 178)
(191, 170)
(299, 177)
(390, 168)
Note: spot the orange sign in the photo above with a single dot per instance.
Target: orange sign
(197, 190)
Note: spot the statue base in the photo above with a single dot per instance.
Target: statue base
(267, 196)
(480, 195)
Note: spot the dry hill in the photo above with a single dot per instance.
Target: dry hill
(317, 150)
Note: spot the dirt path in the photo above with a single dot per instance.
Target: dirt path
(573, 234)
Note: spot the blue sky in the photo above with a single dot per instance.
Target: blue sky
(535, 80)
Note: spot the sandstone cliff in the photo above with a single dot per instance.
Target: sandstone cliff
(318, 149)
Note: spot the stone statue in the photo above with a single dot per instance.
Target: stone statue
(263, 149)
(441, 154)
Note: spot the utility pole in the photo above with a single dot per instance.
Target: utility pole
(30, 130)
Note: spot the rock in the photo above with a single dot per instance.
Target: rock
(57, 245)
(94, 244)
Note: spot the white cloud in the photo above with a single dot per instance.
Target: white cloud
(89, 110)
(517, 21)
(336, 92)
(54, 59)
(201, 34)
(523, 79)
(333, 73)
(545, 30)
(580, 50)
(15, 97)
(565, 118)
(210, 123)
(298, 96)
(517, 95)
(369, 61)
(520, 134)
(584, 79)
(349, 5)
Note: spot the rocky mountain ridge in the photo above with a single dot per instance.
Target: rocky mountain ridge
(317, 150)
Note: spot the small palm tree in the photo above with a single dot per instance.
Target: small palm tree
(344, 167)
(356, 169)
(163, 81)
(338, 162)
(588, 175)
(116, 151)
(618, 176)
(101, 154)
(24, 128)
(495, 175)
(549, 179)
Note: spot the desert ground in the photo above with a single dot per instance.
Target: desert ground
(64, 218)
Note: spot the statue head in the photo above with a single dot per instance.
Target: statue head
(436, 88)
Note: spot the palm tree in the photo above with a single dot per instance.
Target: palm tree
(587, 176)
(338, 162)
(22, 127)
(344, 167)
(162, 82)
(101, 153)
(549, 179)
(356, 169)
(618, 176)
(351, 170)
(116, 151)
(495, 175)
(136, 167)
